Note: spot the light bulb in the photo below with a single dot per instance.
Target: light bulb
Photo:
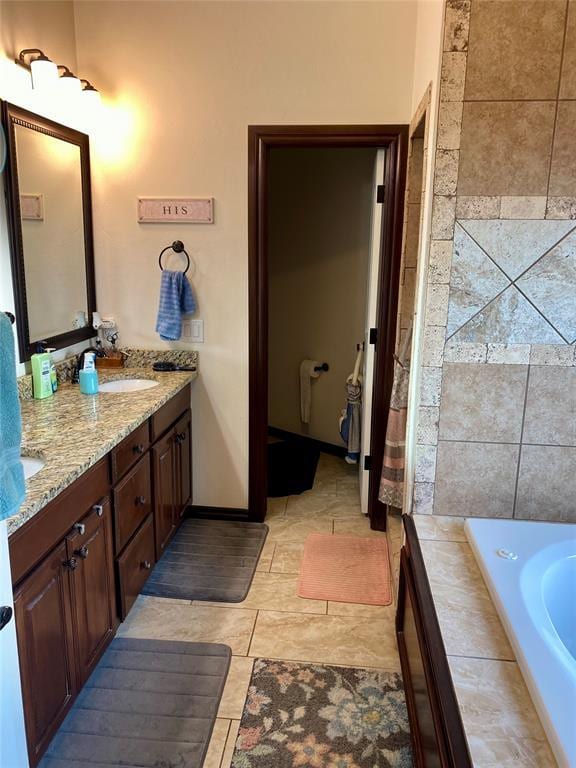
(69, 84)
(91, 97)
(44, 73)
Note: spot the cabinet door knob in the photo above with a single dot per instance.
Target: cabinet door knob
(82, 552)
(180, 437)
(140, 500)
(71, 564)
(99, 509)
(80, 527)
(146, 564)
(138, 448)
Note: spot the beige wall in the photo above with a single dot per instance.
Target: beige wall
(497, 426)
(319, 236)
(185, 81)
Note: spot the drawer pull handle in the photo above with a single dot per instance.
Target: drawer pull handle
(99, 509)
(82, 552)
(138, 448)
(146, 564)
(80, 527)
(140, 500)
(71, 564)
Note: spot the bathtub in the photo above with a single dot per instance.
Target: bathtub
(530, 570)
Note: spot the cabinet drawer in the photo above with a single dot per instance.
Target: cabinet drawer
(169, 413)
(41, 533)
(132, 502)
(135, 565)
(127, 453)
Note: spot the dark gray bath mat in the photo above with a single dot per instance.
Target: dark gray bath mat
(148, 704)
(209, 560)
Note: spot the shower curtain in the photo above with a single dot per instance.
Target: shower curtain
(392, 477)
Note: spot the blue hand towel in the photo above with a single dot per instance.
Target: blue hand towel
(176, 299)
(12, 485)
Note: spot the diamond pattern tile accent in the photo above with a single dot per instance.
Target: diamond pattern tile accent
(474, 281)
(511, 318)
(513, 282)
(551, 286)
(515, 245)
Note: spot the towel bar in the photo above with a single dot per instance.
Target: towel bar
(10, 317)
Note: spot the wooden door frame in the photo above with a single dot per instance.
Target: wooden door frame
(261, 139)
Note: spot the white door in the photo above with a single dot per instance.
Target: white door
(373, 275)
(13, 752)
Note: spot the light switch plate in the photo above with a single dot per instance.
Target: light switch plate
(197, 331)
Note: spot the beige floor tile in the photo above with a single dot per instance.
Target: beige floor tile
(313, 507)
(295, 530)
(359, 526)
(384, 612)
(266, 556)
(276, 592)
(276, 507)
(217, 744)
(234, 696)
(159, 619)
(230, 744)
(325, 639)
(287, 558)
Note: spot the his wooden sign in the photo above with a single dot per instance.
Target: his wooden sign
(186, 210)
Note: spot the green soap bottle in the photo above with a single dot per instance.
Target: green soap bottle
(41, 372)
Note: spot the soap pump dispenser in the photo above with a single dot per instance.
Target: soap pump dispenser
(41, 363)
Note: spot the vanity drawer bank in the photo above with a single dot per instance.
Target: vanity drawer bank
(80, 561)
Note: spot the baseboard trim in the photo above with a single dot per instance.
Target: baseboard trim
(217, 513)
(334, 450)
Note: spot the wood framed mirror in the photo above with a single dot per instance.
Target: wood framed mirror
(49, 205)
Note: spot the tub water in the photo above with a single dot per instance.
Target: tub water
(530, 570)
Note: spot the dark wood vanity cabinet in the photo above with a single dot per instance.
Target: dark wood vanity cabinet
(437, 732)
(80, 563)
(43, 612)
(90, 564)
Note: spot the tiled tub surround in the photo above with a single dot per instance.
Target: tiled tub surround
(72, 431)
(501, 284)
(500, 721)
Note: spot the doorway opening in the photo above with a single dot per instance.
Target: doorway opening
(325, 246)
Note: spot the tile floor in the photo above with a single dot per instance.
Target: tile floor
(273, 622)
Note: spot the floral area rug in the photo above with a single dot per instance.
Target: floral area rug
(312, 716)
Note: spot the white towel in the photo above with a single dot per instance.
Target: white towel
(307, 373)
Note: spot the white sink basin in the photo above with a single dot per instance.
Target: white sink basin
(127, 385)
(32, 465)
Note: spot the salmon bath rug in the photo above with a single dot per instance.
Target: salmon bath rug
(345, 569)
(317, 716)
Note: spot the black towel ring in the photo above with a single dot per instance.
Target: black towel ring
(178, 247)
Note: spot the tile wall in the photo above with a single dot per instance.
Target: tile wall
(497, 416)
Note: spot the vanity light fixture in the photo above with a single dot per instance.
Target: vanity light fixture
(46, 75)
(90, 95)
(68, 82)
(44, 71)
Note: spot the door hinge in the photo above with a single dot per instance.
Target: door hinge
(373, 336)
(367, 463)
(380, 193)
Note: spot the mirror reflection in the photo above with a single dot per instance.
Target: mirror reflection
(51, 218)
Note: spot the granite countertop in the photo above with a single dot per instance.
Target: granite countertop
(500, 720)
(71, 431)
